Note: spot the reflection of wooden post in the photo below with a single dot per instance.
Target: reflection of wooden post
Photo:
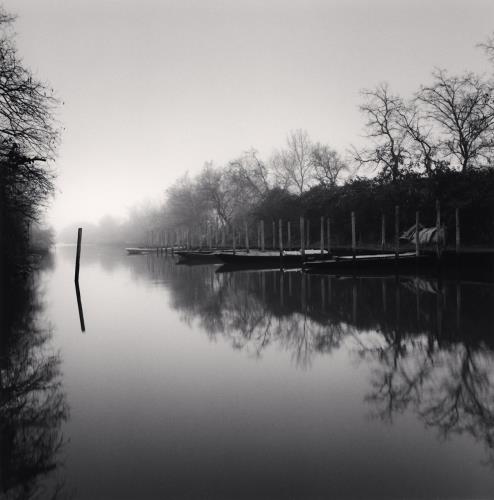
(78, 255)
(417, 304)
(280, 235)
(328, 231)
(383, 290)
(302, 238)
(417, 240)
(282, 288)
(246, 236)
(458, 305)
(383, 231)
(262, 236)
(79, 306)
(354, 239)
(438, 228)
(457, 224)
(397, 230)
(274, 234)
(322, 235)
(289, 235)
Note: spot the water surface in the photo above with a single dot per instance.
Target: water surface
(192, 383)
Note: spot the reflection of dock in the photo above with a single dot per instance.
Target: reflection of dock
(367, 263)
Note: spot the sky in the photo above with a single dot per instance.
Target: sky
(152, 89)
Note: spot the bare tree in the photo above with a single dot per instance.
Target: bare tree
(388, 151)
(328, 165)
(488, 47)
(293, 168)
(424, 147)
(463, 109)
(249, 174)
(28, 137)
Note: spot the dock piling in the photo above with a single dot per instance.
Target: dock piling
(438, 228)
(383, 231)
(397, 230)
(354, 239)
(262, 236)
(322, 235)
(246, 227)
(328, 231)
(457, 225)
(417, 240)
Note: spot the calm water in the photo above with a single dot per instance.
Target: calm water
(191, 383)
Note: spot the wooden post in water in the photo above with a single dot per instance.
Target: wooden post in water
(274, 234)
(302, 239)
(233, 238)
(354, 239)
(417, 239)
(383, 231)
(457, 224)
(328, 231)
(322, 235)
(289, 235)
(246, 226)
(397, 230)
(78, 255)
(262, 236)
(308, 234)
(438, 228)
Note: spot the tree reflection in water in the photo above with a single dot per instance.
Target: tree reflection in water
(32, 403)
(429, 342)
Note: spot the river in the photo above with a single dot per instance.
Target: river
(192, 383)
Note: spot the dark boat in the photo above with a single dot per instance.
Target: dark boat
(199, 256)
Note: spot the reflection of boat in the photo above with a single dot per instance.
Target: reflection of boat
(271, 258)
(232, 268)
(368, 263)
